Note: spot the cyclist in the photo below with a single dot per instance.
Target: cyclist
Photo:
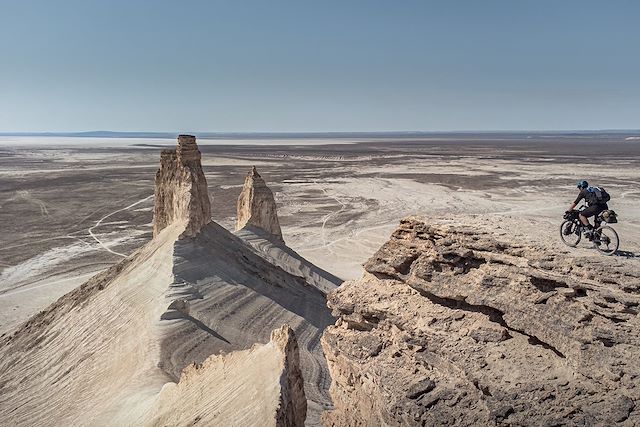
(594, 207)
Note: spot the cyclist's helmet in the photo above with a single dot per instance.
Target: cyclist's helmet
(582, 184)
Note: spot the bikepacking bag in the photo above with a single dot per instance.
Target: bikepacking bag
(597, 195)
(609, 216)
(571, 215)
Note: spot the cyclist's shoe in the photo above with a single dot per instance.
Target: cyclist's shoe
(588, 233)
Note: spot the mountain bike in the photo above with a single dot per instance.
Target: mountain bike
(604, 237)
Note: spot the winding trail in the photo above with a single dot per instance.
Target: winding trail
(97, 224)
(27, 197)
(327, 217)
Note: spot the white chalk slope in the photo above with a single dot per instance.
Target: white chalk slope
(101, 354)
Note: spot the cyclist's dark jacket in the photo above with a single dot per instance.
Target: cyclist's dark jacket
(589, 198)
(594, 208)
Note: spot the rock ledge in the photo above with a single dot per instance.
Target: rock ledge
(449, 326)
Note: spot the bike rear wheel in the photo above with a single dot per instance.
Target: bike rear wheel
(570, 233)
(605, 240)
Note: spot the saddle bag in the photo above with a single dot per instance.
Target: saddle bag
(609, 216)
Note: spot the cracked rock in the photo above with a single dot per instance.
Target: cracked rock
(496, 325)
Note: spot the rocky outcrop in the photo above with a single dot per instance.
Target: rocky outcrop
(257, 207)
(181, 189)
(115, 350)
(226, 297)
(292, 404)
(449, 326)
(260, 386)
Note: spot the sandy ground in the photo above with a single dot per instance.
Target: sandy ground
(70, 210)
(121, 365)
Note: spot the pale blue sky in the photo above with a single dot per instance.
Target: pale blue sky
(299, 65)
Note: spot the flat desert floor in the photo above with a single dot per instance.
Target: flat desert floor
(69, 207)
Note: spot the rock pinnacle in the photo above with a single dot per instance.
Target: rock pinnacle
(257, 207)
(181, 189)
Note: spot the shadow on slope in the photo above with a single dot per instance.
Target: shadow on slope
(276, 252)
(223, 285)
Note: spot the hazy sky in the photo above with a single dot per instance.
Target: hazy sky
(299, 65)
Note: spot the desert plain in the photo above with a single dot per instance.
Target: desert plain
(71, 207)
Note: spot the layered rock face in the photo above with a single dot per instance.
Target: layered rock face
(449, 326)
(257, 207)
(226, 296)
(181, 189)
(221, 384)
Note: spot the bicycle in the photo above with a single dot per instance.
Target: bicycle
(605, 239)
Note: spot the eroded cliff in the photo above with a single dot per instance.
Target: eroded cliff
(449, 326)
(114, 351)
(181, 193)
(259, 386)
(257, 207)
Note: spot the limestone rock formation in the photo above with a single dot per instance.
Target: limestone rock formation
(181, 193)
(111, 352)
(226, 296)
(292, 405)
(449, 326)
(257, 207)
(260, 386)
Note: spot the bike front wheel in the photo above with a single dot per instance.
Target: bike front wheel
(570, 233)
(606, 240)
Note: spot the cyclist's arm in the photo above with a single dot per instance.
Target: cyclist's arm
(578, 199)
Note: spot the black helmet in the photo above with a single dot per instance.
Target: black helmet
(583, 184)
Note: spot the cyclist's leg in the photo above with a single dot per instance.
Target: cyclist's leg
(587, 213)
(598, 211)
(584, 220)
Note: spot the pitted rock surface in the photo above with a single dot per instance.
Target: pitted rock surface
(181, 189)
(257, 207)
(449, 326)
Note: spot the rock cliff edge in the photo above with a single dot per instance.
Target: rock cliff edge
(449, 326)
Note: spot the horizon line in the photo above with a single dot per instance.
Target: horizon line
(205, 134)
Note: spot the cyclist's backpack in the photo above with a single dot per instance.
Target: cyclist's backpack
(597, 195)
